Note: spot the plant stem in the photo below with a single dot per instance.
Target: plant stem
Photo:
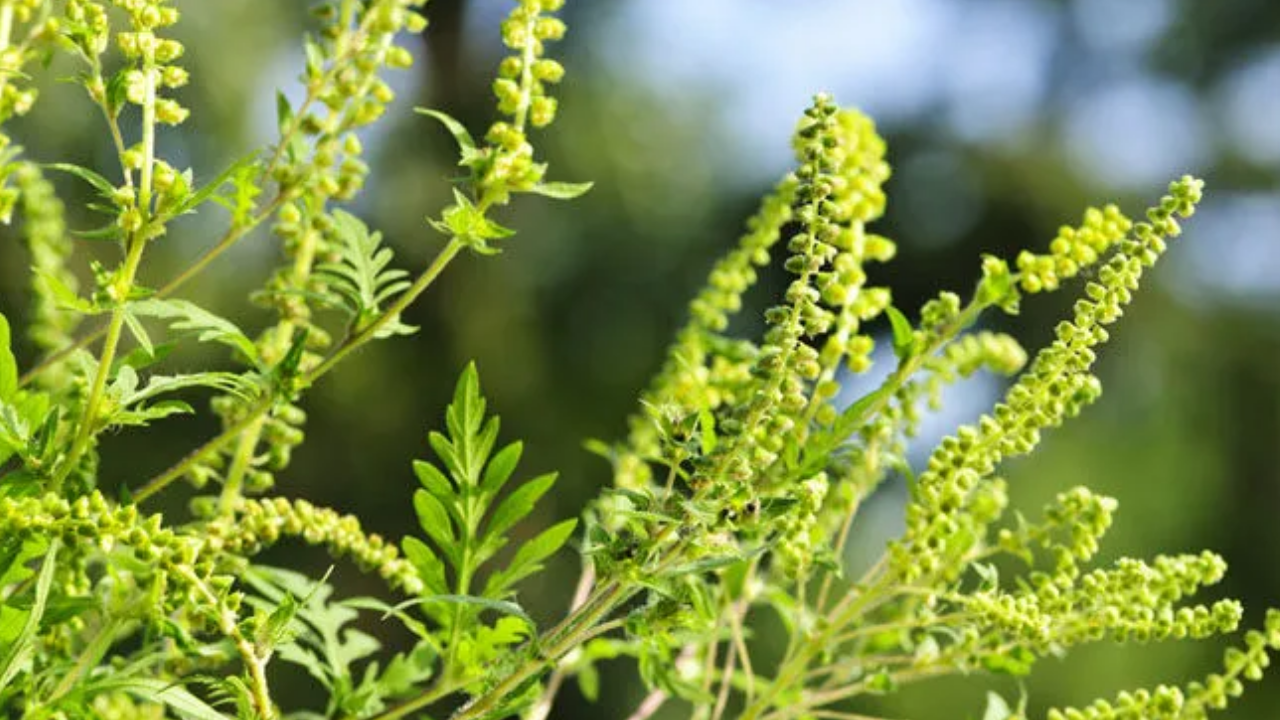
(577, 627)
(84, 433)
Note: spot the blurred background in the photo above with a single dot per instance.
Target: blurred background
(1004, 118)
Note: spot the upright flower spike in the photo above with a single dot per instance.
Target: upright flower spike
(1057, 386)
(506, 164)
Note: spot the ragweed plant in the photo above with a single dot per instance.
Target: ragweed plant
(732, 496)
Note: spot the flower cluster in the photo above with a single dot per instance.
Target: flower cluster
(838, 190)
(1057, 386)
(1193, 702)
(507, 164)
(260, 523)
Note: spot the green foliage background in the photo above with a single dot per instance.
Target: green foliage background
(569, 323)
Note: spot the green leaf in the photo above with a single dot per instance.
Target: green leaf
(139, 333)
(197, 198)
(1016, 661)
(436, 483)
(178, 698)
(529, 557)
(8, 363)
(284, 113)
(518, 504)
(15, 657)
(358, 280)
(207, 327)
(66, 297)
(434, 520)
(429, 567)
(707, 431)
(500, 468)
(561, 190)
(469, 224)
(100, 183)
(466, 144)
(903, 334)
(505, 607)
(708, 564)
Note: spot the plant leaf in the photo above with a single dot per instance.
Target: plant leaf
(100, 183)
(16, 656)
(561, 190)
(434, 520)
(500, 468)
(904, 337)
(8, 363)
(197, 198)
(505, 607)
(429, 567)
(529, 557)
(518, 504)
(466, 144)
(208, 327)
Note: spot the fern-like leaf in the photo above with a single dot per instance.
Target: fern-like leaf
(359, 281)
(459, 508)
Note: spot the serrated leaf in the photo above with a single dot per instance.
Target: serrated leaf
(157, 385)
(518, 504)
(358, 280)
(561, 190)
(207, 327)
(903, 334)
(529, 557)
(469, 224)
(8, 363)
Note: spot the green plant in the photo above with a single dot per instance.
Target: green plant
(733, 495)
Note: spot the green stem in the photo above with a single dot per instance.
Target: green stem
(579, 626)
(239, 466)
(121, 289)
(164, 479)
